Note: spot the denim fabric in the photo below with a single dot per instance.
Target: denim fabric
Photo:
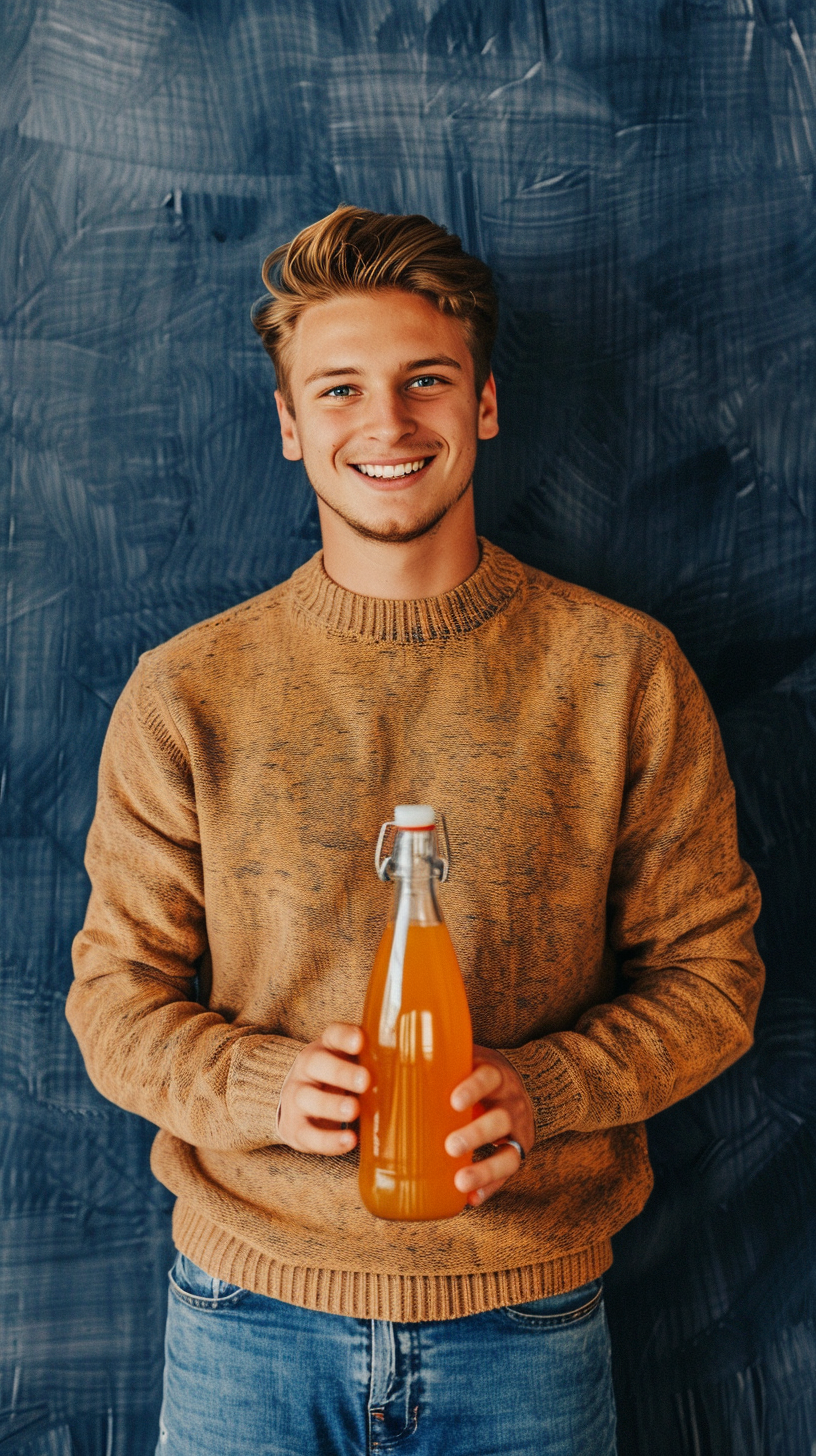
(246, 1375)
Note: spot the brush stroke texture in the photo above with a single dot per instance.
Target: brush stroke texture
(641, 179)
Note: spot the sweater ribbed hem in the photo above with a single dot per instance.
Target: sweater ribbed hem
(426, 619)
(404, 1298)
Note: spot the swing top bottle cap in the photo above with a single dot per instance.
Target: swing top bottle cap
(414, 816)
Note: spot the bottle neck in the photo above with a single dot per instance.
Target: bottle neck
(413, 870)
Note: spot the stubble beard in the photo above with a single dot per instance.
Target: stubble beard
(392, 533)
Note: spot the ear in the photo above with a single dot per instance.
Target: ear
(289, 430)
(488, 419)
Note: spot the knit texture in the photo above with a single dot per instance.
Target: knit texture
(599, 907)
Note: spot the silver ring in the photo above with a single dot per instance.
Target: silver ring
(509, 1142)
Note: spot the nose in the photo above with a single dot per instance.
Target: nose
(389, 418)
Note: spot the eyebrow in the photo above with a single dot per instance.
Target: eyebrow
(440, 359)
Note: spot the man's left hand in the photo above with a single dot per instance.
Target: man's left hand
(508, 1112)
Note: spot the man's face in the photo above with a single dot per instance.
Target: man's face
(386, 417)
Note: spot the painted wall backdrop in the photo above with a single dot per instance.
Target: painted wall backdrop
(640, 176)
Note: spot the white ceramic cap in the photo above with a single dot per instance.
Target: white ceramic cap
(414, 816)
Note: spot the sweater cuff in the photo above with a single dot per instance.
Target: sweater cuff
(258, 1070)
(559, 1101)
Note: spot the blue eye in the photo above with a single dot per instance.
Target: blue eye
(426, 379)
(339, 391)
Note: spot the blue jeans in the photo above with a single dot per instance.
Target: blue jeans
(246, 1375)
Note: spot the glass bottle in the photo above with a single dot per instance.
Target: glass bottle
(418, 1037)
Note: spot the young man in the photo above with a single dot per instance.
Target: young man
(599, 906)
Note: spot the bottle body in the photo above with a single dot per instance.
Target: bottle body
(418, 1047)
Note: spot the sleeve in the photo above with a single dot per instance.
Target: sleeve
(681, 906)
(148, 1045)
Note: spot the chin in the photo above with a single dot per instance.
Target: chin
(396, 532)
(388, 528)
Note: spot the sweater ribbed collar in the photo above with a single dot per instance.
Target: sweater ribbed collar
(425, 619)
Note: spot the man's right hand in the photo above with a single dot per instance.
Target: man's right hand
(318, 1095)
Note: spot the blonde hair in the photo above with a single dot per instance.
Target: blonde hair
(357, 251)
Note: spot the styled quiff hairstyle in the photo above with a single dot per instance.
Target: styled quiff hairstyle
(356, 251)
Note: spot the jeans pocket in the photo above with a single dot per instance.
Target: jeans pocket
(200, 1290)
(556, 1310)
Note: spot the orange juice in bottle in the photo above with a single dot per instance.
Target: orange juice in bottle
(418, 1038)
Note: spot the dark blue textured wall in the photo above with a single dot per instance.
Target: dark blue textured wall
(641, 178)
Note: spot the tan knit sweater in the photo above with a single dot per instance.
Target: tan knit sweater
(597, 901)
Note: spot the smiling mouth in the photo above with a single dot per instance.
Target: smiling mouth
(397, 471)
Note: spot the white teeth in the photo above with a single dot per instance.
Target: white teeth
(390, 472)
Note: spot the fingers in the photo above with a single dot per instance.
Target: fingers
(332, 1144)
(481, 1195)
(500, 1106)
(318, 1095)
(341, 1036)
(482, 1082)
(315, 1101)
(481, 1180)
(493, 1124)
(321, 1065)
(494, 1084)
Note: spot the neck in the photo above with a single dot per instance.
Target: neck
(402, 570)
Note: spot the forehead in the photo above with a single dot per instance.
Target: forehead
(385, 329)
